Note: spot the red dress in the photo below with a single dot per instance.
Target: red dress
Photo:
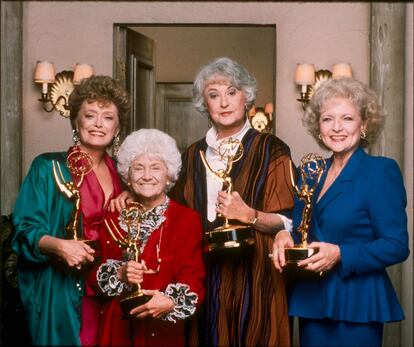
(93, 211)
(181, 262)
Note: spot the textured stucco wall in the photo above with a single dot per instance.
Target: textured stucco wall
(70, 32)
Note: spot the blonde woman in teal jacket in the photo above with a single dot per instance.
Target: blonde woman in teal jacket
(60, 307)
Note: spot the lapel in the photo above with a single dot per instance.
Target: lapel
(342, 181)
(246, 142)
(200, 181)
(62, 157)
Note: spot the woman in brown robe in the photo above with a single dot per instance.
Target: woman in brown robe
(245, 296)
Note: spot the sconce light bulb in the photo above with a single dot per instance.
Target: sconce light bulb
(44, 87)
(303, 88)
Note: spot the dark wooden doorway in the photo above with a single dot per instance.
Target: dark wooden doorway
(176, 115)
(135, 68)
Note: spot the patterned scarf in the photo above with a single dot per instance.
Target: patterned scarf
(151, 220)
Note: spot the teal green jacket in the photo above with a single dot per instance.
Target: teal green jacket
(50, 295)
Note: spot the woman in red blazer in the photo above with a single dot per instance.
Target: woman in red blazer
(170, 267)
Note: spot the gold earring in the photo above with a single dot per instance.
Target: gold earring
(75, 137)
(363, 134)
(320, 137)
(115, 145)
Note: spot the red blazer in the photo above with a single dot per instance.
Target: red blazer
(181, 261)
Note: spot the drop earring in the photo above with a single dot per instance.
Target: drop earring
(167, 186)
(363, 134)
(75, 137)
(115, 145)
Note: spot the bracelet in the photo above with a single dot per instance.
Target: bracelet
(253, 220)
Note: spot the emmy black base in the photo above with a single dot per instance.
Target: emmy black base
(131, 301)
(233, 236)
(297, 253)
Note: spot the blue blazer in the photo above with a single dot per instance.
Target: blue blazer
(364, 213)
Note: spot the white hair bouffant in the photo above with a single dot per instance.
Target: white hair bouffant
(153, 142)
(219, 70)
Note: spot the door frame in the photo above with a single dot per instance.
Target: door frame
(119, 63)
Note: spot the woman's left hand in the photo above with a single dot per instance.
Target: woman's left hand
(325, 259)
(132, 272)
(232, 206)
(157, 307)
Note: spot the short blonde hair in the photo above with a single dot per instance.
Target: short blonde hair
(99, 88)
(153, 142)
(361, 96)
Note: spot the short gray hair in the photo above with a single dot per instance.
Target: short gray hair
(153, 142)
(223, 69)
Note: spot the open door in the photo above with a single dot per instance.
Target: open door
(134, 57)
(176, 115)
(164, 101)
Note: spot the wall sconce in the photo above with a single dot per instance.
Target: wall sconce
(262, 118)
(309, 79)
(62, 85)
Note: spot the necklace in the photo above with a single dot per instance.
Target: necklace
(158, 250)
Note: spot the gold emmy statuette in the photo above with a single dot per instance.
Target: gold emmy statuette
(79, 164)
(312, 166)
(228, 235)
(131, 216)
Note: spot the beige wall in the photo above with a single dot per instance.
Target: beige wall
(181, 51)
(70, 32)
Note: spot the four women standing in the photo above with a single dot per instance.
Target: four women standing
(358, 225)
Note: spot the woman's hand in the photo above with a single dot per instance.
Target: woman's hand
(157, 307)
(132, 272)
(325, 259)
(74, 253)
(232, 206)
(120, 201)
(282, 240)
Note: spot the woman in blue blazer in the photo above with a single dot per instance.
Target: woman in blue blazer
(359, 225)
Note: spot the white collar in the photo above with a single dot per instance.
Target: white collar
(211, 135)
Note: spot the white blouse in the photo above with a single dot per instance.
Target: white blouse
(213, 159)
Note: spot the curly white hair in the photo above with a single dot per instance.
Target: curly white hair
(153, 142)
